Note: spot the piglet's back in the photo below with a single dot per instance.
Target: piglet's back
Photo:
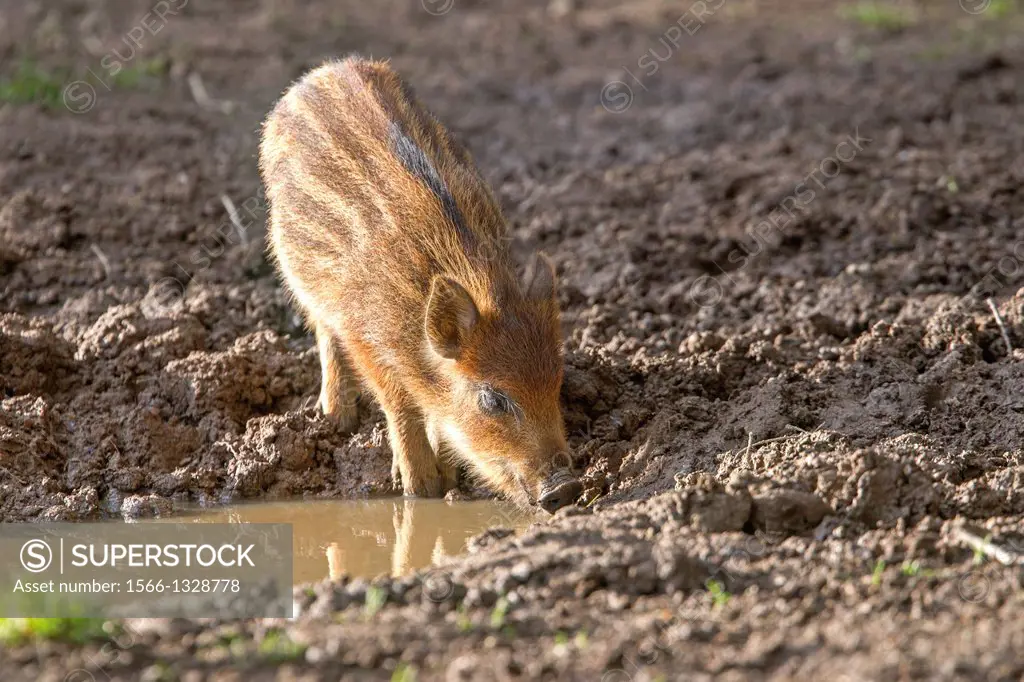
(369, 191)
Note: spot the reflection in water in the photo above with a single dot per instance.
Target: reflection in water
(367, 538)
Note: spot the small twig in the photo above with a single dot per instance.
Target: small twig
(777, 439)
(198, 90)
(12, 475)
(113, 444)
(1002, 327)
(236, 220)
(799, 432)
(984, 546)
(104, 261)
(202, 97)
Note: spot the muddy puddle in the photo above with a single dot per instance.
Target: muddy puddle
(369, 538)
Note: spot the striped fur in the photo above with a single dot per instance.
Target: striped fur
(396, 251)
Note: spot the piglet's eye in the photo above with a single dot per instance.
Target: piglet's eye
(493, 403)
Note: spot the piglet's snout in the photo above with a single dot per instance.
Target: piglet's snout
(559, 490)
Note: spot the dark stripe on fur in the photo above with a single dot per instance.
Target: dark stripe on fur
(417, 163)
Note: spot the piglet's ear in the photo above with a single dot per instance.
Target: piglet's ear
(451, 316)
(539, 278)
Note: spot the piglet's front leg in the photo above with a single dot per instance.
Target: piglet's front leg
(415, 463)
(339, 387)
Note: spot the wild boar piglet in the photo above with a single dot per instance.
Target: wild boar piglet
(397, 252)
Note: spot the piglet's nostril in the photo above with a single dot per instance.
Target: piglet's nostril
(561, 495)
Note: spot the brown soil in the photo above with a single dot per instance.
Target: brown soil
(813, 415)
